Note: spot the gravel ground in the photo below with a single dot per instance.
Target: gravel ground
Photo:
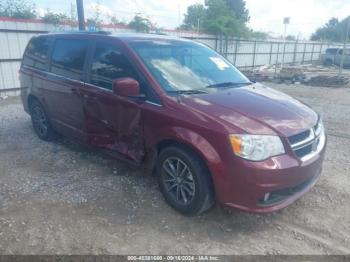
(61, 198)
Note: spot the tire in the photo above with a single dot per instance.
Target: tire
(328, 62)
(187, 187)
(40, 121)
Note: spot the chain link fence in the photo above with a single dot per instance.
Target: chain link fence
(245, 53)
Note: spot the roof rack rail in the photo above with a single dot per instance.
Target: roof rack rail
(88, 32)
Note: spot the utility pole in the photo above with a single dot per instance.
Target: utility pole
(344, 48)
(286, 21)
(179, 14)
(80, 11)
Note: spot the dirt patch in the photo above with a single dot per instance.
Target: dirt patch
(328, 81)
(312, 75)
(60, 198)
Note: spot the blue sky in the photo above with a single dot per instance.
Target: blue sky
(266, 15)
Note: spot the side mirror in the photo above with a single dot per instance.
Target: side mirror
(127, 87)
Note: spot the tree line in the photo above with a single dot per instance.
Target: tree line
(334, 30)
(226, 17)
(218, 17)
(24, 9)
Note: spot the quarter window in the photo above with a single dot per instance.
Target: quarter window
(36, 53)
(109, 64)
(68, 58)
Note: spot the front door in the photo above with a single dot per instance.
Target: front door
(111, 121)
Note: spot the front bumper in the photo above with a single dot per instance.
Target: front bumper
(267, 186)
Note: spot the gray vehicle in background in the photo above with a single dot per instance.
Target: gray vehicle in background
(338, 57)
(329, 57)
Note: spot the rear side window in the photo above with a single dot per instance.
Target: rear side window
(36, 53)
(68, 58)
(332, 51)
(109, 64)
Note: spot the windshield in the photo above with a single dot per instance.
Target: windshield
(181, 66)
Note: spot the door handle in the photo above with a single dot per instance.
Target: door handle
(91, 97)
(74, 91)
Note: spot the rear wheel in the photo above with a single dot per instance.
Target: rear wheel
(184, 181)
(328, 62)
(40, 121)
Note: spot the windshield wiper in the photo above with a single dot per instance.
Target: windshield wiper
(229, 84)
(187, 92)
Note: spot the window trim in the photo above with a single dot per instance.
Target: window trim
(53, 44)
(141, 78)
(48, 54)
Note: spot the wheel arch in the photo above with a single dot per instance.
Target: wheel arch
(166, 143)
(198, 146)
(32, 98)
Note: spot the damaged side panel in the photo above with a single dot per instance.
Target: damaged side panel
(113, 123)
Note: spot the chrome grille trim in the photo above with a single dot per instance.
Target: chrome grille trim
(307, 140)
(316, 138)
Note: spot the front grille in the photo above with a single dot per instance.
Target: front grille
(299, 137)
(303, 151)
(306, 142)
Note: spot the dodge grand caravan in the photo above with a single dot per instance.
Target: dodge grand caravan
(181, 111)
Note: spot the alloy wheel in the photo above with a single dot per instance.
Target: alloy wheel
(39, 121)
(178, 180)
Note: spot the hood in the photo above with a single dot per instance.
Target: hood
(255, 109)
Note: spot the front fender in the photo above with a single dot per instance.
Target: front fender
(193, 141)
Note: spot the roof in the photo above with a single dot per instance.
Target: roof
(123, 36)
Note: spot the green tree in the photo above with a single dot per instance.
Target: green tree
(258, 35)
(291, 38)
(140, 24)
(193, 18)
(115, 21)
(17, 9)
(55, 18)
(93, 24)
(218, 17)
(239, 9)
(333, 30)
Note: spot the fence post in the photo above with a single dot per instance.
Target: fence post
(226, 46)
(254, 54)
(295, 51)
(278, 51)
(271, 49)
(216, 43)
(284, 53)
(236, 51)
(319, 56)
(303, 60)
(221, 43)
(312, 52)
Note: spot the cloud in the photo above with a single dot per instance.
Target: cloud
(306, 15)
(166, 13)
(266, 15)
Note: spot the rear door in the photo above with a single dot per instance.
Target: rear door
(113, 122)
(62, 84)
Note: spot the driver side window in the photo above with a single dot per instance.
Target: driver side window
(109, 64)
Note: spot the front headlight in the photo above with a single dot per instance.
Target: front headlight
(319, 128)
(256, 147)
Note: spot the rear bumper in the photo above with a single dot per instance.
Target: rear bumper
(263, 187)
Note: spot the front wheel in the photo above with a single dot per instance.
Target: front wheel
(184, 181)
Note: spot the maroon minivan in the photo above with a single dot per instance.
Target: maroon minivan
(180, 110)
